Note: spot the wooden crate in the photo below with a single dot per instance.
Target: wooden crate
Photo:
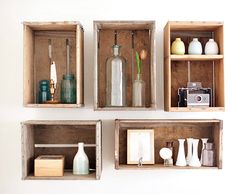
(37, 63)
(61, 138)
(168, 130)
(49, 165)
(207, 69)
(144, 38)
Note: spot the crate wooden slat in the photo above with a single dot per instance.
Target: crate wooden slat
(144, 38)
(37, 63)
(208, 69)
(68, 175)
(168, 130)
(41, 137)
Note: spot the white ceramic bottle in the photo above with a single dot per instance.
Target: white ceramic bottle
(195, 47)
(211, 47)
(195, 162)
(190, 150)
(80, 162)
(181, 161)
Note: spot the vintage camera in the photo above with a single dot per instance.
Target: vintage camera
(194, 96)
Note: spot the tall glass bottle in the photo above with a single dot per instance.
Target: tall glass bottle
(138, 92)
(116, 79)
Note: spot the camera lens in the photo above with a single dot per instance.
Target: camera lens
(198, 98)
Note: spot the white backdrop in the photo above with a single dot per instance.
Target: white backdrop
(13, 12)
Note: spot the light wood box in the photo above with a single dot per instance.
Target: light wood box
(168, 130)
(144, 38)
(61, 137)
(207, 69)
(49, 165)
(37, 63)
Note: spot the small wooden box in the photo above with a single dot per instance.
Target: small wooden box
(49, 165)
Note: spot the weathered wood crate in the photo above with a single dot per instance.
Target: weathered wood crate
(37, 62)
(61, 138)
(180, 69)
(132, 36)
(168, 130)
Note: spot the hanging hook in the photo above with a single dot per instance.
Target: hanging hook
(115, 40)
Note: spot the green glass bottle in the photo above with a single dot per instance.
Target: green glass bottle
(68, 89)
(44, 92)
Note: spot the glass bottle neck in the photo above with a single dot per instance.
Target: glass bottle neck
(116, 50)
(138, 76)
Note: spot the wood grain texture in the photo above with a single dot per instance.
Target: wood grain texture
(169, 130)
(206, 68)
(80, 65)
(98, 149)
(161, 167)
(68, 175)
(28, 50)
(49, 165)
(36, 57)
(58, 25)
(143, 39)
(194, 25)
(61, 132)
(27, 150)
(199, 72)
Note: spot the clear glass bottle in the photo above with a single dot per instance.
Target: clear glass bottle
(116, 79)
(138, 98)
(68, 89)
(170, 145)
(208, 155)
(44, 92)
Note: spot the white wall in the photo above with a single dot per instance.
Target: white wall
(13, 12)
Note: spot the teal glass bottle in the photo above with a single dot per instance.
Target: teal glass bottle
(44, 92)
(68, 89)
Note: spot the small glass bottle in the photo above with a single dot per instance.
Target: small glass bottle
(208, 155)
(44, 91)
(68, 89)
(170, 145)
(116, 79)
(138, 99)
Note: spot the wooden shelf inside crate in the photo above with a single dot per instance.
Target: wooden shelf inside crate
(37, 62)
(196, 109)
(168, 130)
(144, 38)
(195, 57)
(61, 138)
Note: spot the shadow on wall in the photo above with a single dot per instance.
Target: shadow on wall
(108, 142)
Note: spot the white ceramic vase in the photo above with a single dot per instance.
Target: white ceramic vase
(190, 150)
(204, 140)
(195, 162)
(181, 161)
(195, 47)
(211, 47)
(80, 162)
